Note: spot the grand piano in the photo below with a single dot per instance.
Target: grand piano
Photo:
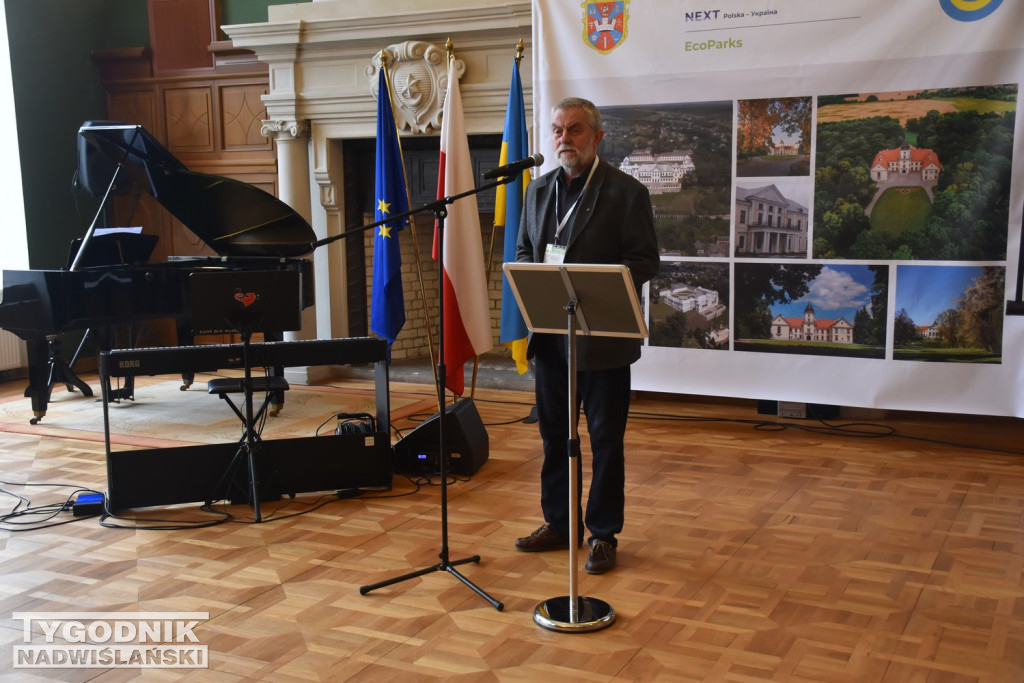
(247, 228)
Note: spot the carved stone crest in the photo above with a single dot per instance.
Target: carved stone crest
(419, 80)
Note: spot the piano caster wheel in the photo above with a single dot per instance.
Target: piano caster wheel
(183, 387)
(275, 408)
(35, 420)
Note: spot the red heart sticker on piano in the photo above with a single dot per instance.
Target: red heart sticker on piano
(245, 298)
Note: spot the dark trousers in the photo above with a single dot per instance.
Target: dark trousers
(605, 398)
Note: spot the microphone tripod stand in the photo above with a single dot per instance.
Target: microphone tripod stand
(446, 564)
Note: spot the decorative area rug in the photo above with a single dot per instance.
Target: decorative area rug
(161, 414)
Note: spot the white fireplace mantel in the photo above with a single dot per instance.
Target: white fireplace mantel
(318, 52)
(320, 56)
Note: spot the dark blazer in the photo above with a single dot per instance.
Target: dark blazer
(613, 223)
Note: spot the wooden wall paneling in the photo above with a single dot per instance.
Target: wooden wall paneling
(123, 63)
(241, 115)
(180, 32)
(190, 119)
(134, 105)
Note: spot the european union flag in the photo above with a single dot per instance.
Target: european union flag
(387, 302)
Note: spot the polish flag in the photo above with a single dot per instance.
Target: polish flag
(467, 323)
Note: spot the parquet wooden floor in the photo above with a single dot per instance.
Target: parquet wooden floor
(755, 549)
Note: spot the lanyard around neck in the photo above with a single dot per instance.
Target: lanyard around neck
(565, 218)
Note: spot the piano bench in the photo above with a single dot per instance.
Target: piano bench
(233, 385)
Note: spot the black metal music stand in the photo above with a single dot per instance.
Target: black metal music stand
(551, 298)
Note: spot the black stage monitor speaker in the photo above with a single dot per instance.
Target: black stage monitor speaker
(466, 443)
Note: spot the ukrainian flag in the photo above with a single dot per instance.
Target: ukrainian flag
(507, 211)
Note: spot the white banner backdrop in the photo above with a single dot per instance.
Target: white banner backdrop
(830, 260)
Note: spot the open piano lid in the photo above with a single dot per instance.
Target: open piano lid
(232, 217)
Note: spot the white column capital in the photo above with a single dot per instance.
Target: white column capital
(284, 129)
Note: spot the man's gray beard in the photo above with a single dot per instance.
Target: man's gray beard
(571, 168)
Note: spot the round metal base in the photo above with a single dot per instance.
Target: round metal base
(591, 615)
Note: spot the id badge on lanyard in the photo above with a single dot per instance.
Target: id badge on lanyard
(554, 253)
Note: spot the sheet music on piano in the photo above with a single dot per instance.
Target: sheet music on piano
(133, 230)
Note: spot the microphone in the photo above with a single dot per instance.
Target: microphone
(515, 167)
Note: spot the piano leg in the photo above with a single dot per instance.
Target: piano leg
(183, 328)
(47, 367)
(38, 389)
(60, 371)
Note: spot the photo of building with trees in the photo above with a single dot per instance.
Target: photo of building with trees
(949, 313)
(773, 137)
(683, 155)
(812, 328)
(813, 309)
(914, 175)
(689, 305)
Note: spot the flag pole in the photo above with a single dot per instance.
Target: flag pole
(442, 377)
(494, 229)
(494, 226)
(412, 222)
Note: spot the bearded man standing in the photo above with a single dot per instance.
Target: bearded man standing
(585, 211)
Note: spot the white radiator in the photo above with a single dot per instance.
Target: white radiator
(12, 351)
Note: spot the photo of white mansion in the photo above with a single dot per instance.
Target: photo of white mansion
(685, 298)
(660, 173)
(811, 328)
(769, 224)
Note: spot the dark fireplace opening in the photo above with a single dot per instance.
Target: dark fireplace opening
(421, 156)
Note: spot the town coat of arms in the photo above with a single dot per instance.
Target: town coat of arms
(604, 24)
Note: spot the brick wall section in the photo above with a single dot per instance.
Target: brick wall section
(412, 342)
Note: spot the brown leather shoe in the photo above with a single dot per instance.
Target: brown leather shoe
(544, 538)
(601, 558)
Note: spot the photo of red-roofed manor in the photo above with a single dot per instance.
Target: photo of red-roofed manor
(835, 309)
(812, 328)
(906, 160)
(914, 175)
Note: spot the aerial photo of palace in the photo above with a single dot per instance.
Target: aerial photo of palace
(660, 173)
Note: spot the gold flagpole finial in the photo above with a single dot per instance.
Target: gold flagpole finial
(519, 51)
(387, 78)
(449, 47)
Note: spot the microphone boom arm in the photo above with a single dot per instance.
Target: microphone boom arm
(437, 207)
